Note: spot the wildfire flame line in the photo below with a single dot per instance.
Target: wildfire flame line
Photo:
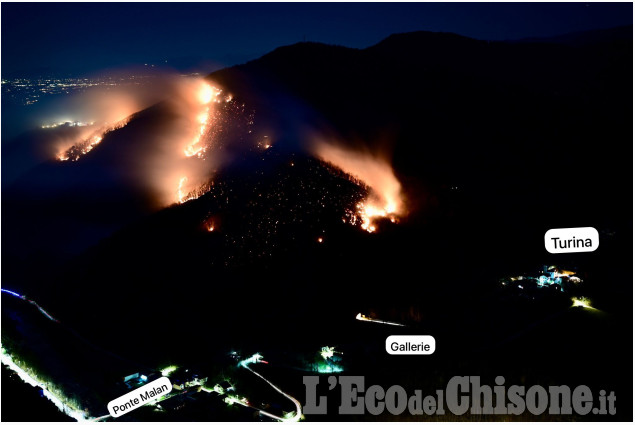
(183, 194)
(206, 95)
(85, 146)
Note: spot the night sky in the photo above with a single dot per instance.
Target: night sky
(80, 38)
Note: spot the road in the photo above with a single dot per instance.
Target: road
(22, 297)
(78, 415)
(68, 410)
(256, 358)
(363, 318)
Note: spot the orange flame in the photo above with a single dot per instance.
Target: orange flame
(385, 197)
(206, 94)
(82, 148)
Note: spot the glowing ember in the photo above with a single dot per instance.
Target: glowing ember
(265, 143)
(385, 198)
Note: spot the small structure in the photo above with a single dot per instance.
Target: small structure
(138, 379)
(224, 387)
(186, 378)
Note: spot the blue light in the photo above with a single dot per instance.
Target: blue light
(12, 293)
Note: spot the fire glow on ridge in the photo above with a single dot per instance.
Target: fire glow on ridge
(75, 152)
(206, 95)
(385, 197)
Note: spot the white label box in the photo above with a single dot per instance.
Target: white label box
(572, 239)
(139, 397)
(410, 344)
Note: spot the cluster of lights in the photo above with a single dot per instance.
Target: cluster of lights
(552, 277)
(68, 123)
(29, 91)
